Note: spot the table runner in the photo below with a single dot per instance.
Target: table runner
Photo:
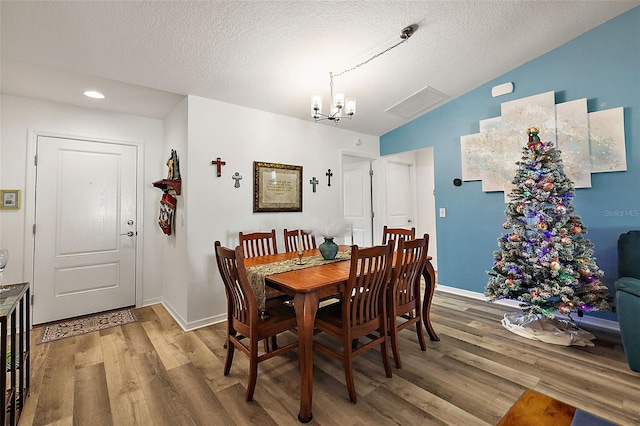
(258, 273)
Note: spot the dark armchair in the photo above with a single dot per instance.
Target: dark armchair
(628, 296)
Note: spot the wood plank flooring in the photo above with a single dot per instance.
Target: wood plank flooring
(152, 373)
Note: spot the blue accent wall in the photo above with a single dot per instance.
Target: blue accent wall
(602, 65)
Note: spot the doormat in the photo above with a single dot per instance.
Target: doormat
(536, 409)
(87, 324)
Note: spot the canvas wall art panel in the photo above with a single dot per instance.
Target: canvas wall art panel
(606, 138)
(572, 129)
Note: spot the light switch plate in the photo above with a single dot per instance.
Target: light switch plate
(443, 212)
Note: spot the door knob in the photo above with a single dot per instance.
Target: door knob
(128, 234)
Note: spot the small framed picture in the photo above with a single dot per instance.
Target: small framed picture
(10, 199)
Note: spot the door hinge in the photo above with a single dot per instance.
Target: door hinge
(32, 297)
(373, 215)
(370, 172)
(34, 229)
(35, 160)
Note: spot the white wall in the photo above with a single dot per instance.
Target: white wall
(175, 260)
(215, 210)
(21, 115)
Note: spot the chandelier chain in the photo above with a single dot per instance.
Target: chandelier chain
(346, 108)
(371, 58)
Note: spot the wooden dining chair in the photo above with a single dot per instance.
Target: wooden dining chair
(258, 243)
(291, 240)
(262, 244)
(243, 321)
(403, 296)
(362, 312)
(397, 234)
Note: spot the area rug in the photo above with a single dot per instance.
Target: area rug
(536, 409)
(83, 325)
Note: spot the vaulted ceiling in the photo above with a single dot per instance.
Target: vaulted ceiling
(273, 55)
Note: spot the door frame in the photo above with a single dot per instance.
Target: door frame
(374, 193)
(30, 203)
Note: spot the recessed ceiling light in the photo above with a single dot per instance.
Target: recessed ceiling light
(94, 94)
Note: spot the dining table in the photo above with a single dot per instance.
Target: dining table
(307, 287)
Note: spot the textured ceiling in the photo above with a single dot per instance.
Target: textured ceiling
(273, 55)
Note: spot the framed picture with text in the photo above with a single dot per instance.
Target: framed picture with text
(10, 199)
(277, 187)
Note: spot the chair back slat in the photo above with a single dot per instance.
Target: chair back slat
(258, 243)
(397, 234)
(367, 284)
(291, 240)
(241, 300)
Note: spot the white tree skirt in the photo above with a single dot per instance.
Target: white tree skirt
(537, 327)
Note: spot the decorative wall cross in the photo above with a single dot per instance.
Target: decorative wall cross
(329, 174)
(236, 176)
(314, 182)
(219, 163)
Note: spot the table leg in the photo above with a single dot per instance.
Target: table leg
(429, 275)
(306, 306)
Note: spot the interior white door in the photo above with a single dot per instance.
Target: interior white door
(400, 195)
(85, 235)
(356, 180)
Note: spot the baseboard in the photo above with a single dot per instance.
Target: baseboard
(589, 322)
(205, 322)
(184, 324)
(153, 301)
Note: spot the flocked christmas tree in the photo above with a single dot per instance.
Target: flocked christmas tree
(545, 261)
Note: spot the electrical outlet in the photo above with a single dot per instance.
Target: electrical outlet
(443, 212)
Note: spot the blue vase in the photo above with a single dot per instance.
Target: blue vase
(328, 249)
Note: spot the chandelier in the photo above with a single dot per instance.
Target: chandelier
(346, 108)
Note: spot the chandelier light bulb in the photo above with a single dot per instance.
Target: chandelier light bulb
(338, 100)
(316, 105)
(350, 106)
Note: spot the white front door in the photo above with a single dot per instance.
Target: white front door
(400, 195)
(356, 180)
(85, 234)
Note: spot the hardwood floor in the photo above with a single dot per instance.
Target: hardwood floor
(152, 373)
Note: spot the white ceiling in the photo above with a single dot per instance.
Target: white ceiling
(273, 55)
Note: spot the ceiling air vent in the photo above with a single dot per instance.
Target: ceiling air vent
(420, 101)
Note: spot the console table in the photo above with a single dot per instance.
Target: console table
(15, 317)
